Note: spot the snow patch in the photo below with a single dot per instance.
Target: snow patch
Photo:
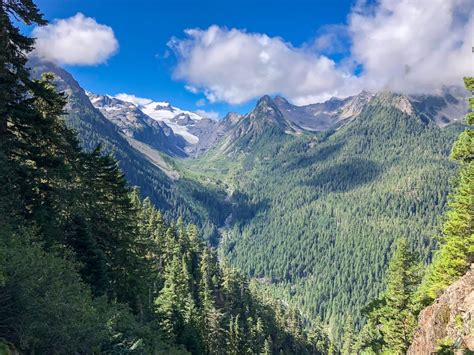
(163, 111)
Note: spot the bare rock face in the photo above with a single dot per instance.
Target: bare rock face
(450, 319)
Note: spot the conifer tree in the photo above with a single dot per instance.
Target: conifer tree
(391, 320)
(348, 338)
(267, 346)
(15, 105)
(258, 336)
(234, 337)
(168, 302)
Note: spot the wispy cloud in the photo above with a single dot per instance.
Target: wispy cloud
(140, 101)
(208, 114)
(201, 102)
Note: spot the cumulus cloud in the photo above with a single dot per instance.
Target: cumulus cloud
(402, 45)
(413, 46)
(236, 66)
(139, 101)
(78, 40)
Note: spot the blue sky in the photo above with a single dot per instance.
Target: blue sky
(143, 29)
(237, 51)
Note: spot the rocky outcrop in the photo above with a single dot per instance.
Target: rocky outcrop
(449, 321)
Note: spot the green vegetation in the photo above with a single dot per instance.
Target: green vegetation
(192, 199)
(391, 320)
(319, 227)
(456, 251)
(88, 267)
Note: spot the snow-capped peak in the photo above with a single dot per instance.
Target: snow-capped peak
(163, 111)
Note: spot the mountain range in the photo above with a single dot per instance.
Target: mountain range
(306, 199)
(183, 133)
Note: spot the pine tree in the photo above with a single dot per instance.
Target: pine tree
(348, 338)
(88, 253)
(15, 105)
(319, 341)
(267, 346)
(168, 302)
(258, 336)
(211, 317)
(235, 337)
(212, 329)
(391, 319)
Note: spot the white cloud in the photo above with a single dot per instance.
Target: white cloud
(192, 89)
(403, 45)
(236, 66)
(140, 101)
(78, 40)
(208, 114)
(413, 46)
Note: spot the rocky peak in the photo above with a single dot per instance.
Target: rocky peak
(265, 102)
(133, 123)
(266, 110)
(280, 100)
(398, 101)
(183, 119)
(164, 106)
(354, 105)
(109, 102)
(232, 118)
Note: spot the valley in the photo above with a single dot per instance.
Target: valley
(309, 199)
(216, 178)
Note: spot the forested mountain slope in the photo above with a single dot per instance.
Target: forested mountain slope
(86, 266)
(440, 295)
(189, 199)
(327, 207)
(307, 199)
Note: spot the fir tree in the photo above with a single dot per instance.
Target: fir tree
(348, 338)
(391, 320)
